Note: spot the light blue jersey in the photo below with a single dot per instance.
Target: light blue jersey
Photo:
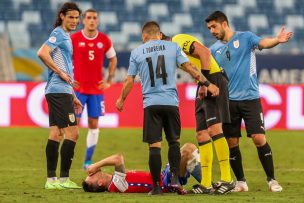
(61, 45)
(156, 62)
(237, 57)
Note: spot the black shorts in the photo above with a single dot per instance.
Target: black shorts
(158, 117)
(248, 110)
(212, 110)
(61, 110)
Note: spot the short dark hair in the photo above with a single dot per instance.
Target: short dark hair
(165, 37)
(68, 6)
(90, 10)
(93, 188)
(217, 16)
(151, 27)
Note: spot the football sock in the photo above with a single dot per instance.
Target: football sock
(206, 158)
(52, 153)
(236, 163)
(92, 139)
(174, 157)
(222, 153)
(67, 154)
(155, 164)
(195, 170)
(265, 155)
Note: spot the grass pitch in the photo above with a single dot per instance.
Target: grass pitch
(23, 167)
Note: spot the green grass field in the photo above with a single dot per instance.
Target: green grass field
(23, 173)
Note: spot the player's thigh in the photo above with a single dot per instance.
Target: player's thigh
(217, 108)
(153, 124)
(200, 117)
(95, 105)
(253, 116)
(71, 133)
(83, 99)
(62, 108)
(171, 123)
(233, 129)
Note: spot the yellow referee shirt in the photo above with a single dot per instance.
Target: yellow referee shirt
(185, 41)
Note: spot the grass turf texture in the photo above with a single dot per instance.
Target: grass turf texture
(23, 173)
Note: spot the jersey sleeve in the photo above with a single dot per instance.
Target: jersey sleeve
(181, 56)
(254, 40)
(133, 66)
(110, 51)
(55, 39)
(119, 181)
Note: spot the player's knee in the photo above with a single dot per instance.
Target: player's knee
(215, 129)
(259, 139)
(202, 136)
(188, 148)
(233, 142)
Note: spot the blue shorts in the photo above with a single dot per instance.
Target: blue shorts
(167, 177)
(94, 103)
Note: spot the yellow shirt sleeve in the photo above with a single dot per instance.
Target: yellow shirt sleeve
(185, 41)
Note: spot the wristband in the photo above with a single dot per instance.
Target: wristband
(206, 83)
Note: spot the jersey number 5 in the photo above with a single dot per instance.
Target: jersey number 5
(91, 55)
(160, 69)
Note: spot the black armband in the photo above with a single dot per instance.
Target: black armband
(206, 83)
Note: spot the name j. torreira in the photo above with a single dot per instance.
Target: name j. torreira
(154, 48)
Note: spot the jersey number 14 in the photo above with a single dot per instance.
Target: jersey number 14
(160, 69)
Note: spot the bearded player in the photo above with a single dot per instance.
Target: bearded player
(90, 47)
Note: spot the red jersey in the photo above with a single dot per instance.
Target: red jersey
(132, 182)
(88, 59)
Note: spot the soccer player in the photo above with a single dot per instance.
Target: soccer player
(155, 61)
(210, 113)
(135, 181)
(89, 48)
(56, 54)
(235, 52)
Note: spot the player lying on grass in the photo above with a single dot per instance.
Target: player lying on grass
(136, 181)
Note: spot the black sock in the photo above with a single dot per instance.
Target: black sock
(51, 152)
(155, 164)
(265, 155)
(174, 157)
(236, 163)
(67, 154)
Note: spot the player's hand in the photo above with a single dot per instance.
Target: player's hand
(103, 85)
(284, 36)
(76, 84)
(77, 106)
(202, 92)
(65, 77)
(92, 169)
(213, 89)
(119, 104)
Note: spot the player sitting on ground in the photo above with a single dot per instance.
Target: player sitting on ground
(140, 181)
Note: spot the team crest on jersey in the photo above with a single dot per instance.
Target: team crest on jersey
(91, 44)
(72, 117)
(236, 44)
(99, 45)
(52, 39)
(81, 44)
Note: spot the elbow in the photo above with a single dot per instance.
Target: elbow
(119, 159)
